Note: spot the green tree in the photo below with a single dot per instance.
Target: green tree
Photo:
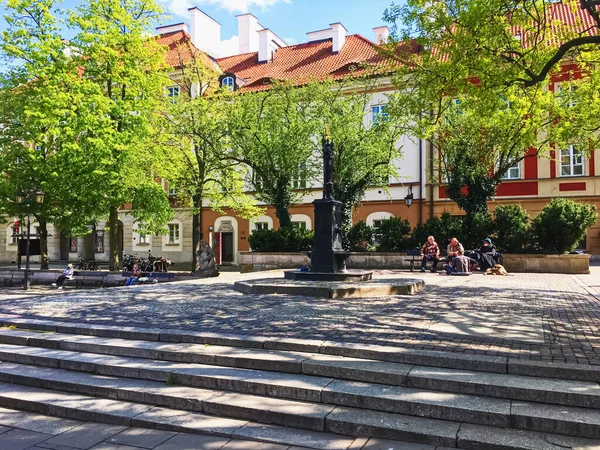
(272, 132)
(197, 159)
(366, 146)
(394, 235)
(125, 66)
(512, 226)
(44, 105)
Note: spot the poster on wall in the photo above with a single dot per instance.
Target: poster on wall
(99, 242)
(73, 245)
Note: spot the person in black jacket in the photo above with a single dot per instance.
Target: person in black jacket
(487, 255)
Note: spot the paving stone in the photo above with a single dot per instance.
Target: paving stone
(141, 437)
(183, 421)
(36, 422)
(384, 444)
(87, 435)
(295, 437)
(106, 446)
(4, 429)
(250, 445)
(582, 422)
(357, 369)
(21, 439)
(350, 421)
(417, 402)
(184, 441)
(309, 416)
(48, 446)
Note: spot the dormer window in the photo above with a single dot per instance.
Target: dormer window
(228, 83)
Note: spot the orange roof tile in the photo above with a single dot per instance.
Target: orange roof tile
(180, 49)
(301, 63)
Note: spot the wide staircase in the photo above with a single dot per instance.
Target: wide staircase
(319, 395)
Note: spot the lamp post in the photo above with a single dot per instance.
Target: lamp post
(21, 199)
(409, 197)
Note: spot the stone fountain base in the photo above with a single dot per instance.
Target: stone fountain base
(353, 276)
(331, 289)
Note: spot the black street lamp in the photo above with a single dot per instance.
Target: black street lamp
(21, 199)
(409, 197)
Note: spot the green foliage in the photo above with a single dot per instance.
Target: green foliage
(272, 132)
(364, 150)
(394, 235)
(442, 228)
(289, 239)
(512, 226)
(360, 237)
(151, 208)
(475, 228)
(562, 224)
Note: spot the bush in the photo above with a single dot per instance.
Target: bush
(442, 228)
(512, 227)
(394, 235)
(475, 228)
(360, 237)
(282, 240)
(562, 224)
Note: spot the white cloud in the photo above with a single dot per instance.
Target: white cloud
(242, 5)
(290, 41)
(180, 7)
(229, 47)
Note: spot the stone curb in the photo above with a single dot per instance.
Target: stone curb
(479, 363)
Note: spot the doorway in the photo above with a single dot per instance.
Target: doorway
(227, 248)
(65, 245)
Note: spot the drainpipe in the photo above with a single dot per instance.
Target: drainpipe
(421, 181)
(431, 179)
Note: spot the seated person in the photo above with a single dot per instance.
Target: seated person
(487, 255)
(455, 249)
(135, 274)
(66, 275)
(430, 252)
(460, 265)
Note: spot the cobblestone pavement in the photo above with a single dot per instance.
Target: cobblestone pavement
(530, 316)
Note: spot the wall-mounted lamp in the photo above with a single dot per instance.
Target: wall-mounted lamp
(409, 197)
(211, 228)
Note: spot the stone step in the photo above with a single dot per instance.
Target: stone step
(503, 386)
(340, 423)
(87, 408)
(375, 397)
(478, 363)
(426, 403)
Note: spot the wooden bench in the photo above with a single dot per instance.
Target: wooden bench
(414, 256)
(9, 278)
(81, 278)
(158, 276)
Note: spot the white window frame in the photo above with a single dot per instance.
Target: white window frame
(13, 239)
(173, 92)
(174, 233)
(558, 90)
(299, 180)
(300, 225)
(228, 83)
(576, 160)
(261, 225)
(379, 112)
(172, 191)
(513, 172)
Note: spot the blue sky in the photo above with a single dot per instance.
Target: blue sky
(289, 19)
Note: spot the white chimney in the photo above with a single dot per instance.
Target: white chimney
(382, 34)
(338, 35)
(173, 28)
(206, 32)
(268, 42)
(248, 28)
(336, 32)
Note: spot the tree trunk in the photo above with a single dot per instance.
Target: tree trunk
(43, 243)
(282, 206)
(113, 230)
(196, 232)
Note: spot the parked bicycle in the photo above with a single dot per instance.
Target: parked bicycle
(86, 264)
(152, 264)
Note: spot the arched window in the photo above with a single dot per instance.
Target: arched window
(228, 83)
